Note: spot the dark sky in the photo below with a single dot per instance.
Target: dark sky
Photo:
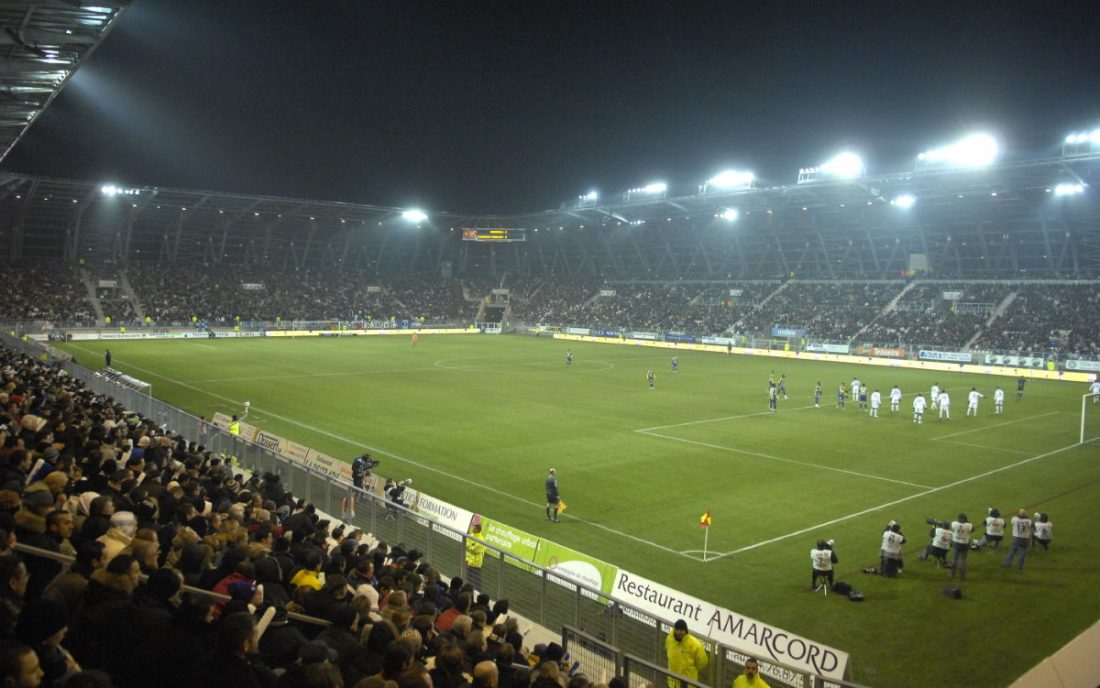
(517, 105)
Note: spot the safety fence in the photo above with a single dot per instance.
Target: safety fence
(534, 592)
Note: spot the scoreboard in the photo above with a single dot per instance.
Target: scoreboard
(495, 235)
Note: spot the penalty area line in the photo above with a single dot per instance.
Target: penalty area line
(781, 459)
(887, 505)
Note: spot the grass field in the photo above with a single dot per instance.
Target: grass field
(477, 420)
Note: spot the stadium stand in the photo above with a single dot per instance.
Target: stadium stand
(144, 511)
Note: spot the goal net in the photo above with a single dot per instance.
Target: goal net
(1090, 418)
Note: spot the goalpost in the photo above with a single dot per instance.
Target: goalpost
(1090, 418)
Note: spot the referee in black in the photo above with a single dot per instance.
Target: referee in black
(552, 496)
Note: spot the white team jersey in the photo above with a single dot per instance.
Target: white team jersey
(876, 400)
(944, 400)
(1021, 527)
(960, 532)
(973, 397)
(895, 395)
(1043, 531)
(995, 526)
(942, 538)
(855, 388)
(935, 392)
(822, 559)
(999, 396)
(1094, 388)
(891, 542)
(918, 405)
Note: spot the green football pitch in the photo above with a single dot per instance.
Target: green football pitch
(478, 420)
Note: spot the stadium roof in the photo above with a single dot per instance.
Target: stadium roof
(42, 43)
(995, 221)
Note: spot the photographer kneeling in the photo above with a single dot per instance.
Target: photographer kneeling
(892, 540)
(822, 557)
(941, 542)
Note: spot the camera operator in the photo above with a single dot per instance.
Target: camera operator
(941, 542)
(361, 467)
(395, 494)
(994, 530)
(961, 528)
(1021, 538)
(1043, 530)
(892, 540)
(822, 558)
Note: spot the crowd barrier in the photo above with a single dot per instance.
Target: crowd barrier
(535, 592)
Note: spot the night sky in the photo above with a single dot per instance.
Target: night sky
(516, 106)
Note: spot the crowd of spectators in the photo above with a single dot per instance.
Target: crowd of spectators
(41, 290)
(222, 295)
(145, 512)
(833, 311)
(923, 317)
(1063, 318)
(1042, 317)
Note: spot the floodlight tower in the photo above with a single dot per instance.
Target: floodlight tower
(974, 150)
(729, 180)
(1081, 143)
(653, 190)
(846, 165)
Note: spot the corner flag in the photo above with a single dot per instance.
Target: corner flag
(704, 520)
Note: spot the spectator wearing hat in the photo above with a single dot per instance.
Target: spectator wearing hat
(686, 654)
(98, 521)
(119, 535)
(30, 530)
(42, 626)
(280, 643)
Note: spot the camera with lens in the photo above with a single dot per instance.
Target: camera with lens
(829, 543)
(936, 522)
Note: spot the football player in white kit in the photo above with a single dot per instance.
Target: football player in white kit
(972, 402)
(998, 401)
(876, 401)
(895, 399)
(918, 409)
(944, 404)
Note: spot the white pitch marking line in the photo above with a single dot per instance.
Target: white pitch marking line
(990, 427)
(716, 420)
(423, 466)
(985, 446)
(783, 460)
(896, 502)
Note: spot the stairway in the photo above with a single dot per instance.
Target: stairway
(89, 287)
(128, 290)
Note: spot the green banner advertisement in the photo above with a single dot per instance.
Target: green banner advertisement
(511, 540)
(575, 566)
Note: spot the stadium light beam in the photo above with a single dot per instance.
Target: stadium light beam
(655, 188)
(414, 215)
(730, 179)
(591, 196)
(1069, 189)
(729, 214)
(904, 201)
(844, 166)
(975, 150)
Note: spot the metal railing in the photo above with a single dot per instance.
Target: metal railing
(536, 593)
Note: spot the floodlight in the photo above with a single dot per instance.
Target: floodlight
(730, 179)
(414, 215)
(1067, 189)
(655, 188)
(974, 150)
(904, 201)
(108, 189)
(729, 214)
(844, 166)
(590, 196)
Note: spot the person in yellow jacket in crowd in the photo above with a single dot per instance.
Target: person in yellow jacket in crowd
(235, 427)
(686, 654)
(475, 556)
(750, 677)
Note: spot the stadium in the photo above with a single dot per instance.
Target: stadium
(631, 341)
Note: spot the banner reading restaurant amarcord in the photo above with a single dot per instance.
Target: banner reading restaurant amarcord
(729, 628)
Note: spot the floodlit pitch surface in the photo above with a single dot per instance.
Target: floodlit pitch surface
(478, 420)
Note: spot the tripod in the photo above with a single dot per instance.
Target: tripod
(823, 585)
